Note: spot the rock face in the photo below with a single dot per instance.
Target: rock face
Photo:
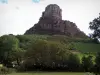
(51, 23)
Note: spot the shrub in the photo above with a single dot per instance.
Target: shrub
(3, 70)
(73, 62)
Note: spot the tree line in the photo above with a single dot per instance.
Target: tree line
(28, 53)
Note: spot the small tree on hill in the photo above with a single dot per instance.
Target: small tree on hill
(95, 26)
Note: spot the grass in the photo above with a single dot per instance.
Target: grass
(51, 73)
(87, 47)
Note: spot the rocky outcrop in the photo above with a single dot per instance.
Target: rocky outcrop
(51, 23)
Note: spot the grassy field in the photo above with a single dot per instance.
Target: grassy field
(51, 73)
(87, 47)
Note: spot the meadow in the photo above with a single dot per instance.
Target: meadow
(51, 73)
(87, 47)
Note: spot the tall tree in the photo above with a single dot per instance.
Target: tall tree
(9, 45)
(95, 26)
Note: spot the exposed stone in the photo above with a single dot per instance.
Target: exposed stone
(51, 23)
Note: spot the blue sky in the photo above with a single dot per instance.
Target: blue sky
(19, 15)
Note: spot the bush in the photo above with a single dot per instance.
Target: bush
(5, 70)
(73, 62)
(87, 63)
(45, 54)
(71, 46)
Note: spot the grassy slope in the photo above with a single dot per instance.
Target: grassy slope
(79, 42)
(83, 45)
(87, 47)
(50, 73)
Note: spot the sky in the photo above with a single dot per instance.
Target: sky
(17, 16)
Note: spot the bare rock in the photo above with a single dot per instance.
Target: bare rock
(51, 23)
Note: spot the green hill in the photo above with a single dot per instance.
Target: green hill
(87, 47)
(83, 45)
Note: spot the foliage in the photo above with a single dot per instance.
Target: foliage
(73, 62)
(87, 63)
(97, 66)
(3, 70)
(27, 40)
(95, 26)
(49, 53)
(9, 46)
(71, 46)
(46, 53)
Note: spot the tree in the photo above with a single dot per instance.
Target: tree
(97, 66)
(9, 45)
(87, 63)
(95, 26)
(71, 46)
(27, 40)
(46, 54)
